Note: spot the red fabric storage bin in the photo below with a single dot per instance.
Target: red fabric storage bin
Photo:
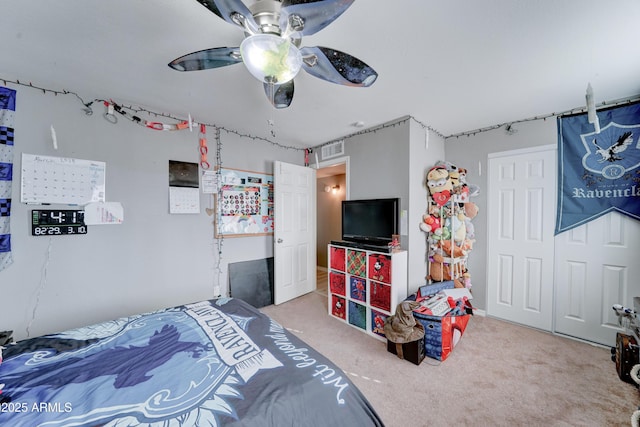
(380, 268)
(338, 306)
(338, 260)
(380, 295)
(337, 283)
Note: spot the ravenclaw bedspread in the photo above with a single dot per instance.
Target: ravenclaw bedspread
(212, 363)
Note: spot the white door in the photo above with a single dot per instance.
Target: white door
(597, 265)
(294, 231)
(521, 208)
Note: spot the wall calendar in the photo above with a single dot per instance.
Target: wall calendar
(47, 179)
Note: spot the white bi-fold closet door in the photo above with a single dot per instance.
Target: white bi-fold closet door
(565, 284)
(520, 209)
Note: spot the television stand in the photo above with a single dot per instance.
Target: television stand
(365, 286)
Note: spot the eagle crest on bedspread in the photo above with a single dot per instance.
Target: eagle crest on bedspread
(127, 366)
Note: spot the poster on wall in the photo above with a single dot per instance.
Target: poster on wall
(244, 203)
(598, 172)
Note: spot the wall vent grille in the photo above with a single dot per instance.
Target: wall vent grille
(333, 150)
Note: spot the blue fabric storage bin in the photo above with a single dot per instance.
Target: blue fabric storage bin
(441, 333)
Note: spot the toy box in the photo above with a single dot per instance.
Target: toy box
(412, 351)
(442, 333)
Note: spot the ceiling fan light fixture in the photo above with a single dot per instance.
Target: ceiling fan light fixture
(270, 58)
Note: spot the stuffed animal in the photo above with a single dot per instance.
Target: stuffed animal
(458, 227)
(430, 223)
(458, 251)
(442, 233)
(447, 221)
(454, 176)
(471, 230)
(463, 175)
(460, 187)
(471, 210)
(439, 185)
(458, 283)
(466, 279)
(438, 269)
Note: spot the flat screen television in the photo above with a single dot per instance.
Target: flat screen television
(371, 221)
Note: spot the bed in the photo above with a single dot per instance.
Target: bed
(212, 363)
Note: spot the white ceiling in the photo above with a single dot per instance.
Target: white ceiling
(455, 65)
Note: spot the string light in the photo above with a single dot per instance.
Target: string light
(130, 112)
(576, 110)
(426, 127)
(218, 221)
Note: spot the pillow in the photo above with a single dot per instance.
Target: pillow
(6, 337)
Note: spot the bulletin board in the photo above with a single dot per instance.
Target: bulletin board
(244, 204)
(47, 179)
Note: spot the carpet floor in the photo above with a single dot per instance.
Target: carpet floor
(499, 374)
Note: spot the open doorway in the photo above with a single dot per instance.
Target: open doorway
(332, 188)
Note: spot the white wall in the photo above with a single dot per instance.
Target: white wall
(425, 151)
(392, 162)
(471, 153)
(153, 259)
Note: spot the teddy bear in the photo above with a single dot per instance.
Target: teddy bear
(440, 271)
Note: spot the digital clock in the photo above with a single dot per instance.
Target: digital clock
(57, 222)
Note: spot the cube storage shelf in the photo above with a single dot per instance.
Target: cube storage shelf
(365, 286)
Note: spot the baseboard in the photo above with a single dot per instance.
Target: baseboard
(478, 312)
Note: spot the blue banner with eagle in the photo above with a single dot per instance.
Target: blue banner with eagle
(7, 110)
(598, 172)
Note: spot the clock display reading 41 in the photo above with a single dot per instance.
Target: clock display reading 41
(57, 222)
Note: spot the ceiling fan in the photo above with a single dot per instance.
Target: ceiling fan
(271, 47)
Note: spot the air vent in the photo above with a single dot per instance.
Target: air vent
(333, 150)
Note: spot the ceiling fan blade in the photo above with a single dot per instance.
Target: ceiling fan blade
(337, 67)
(205, 59)
(316, 14)
(227, 9)
(281, 95)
